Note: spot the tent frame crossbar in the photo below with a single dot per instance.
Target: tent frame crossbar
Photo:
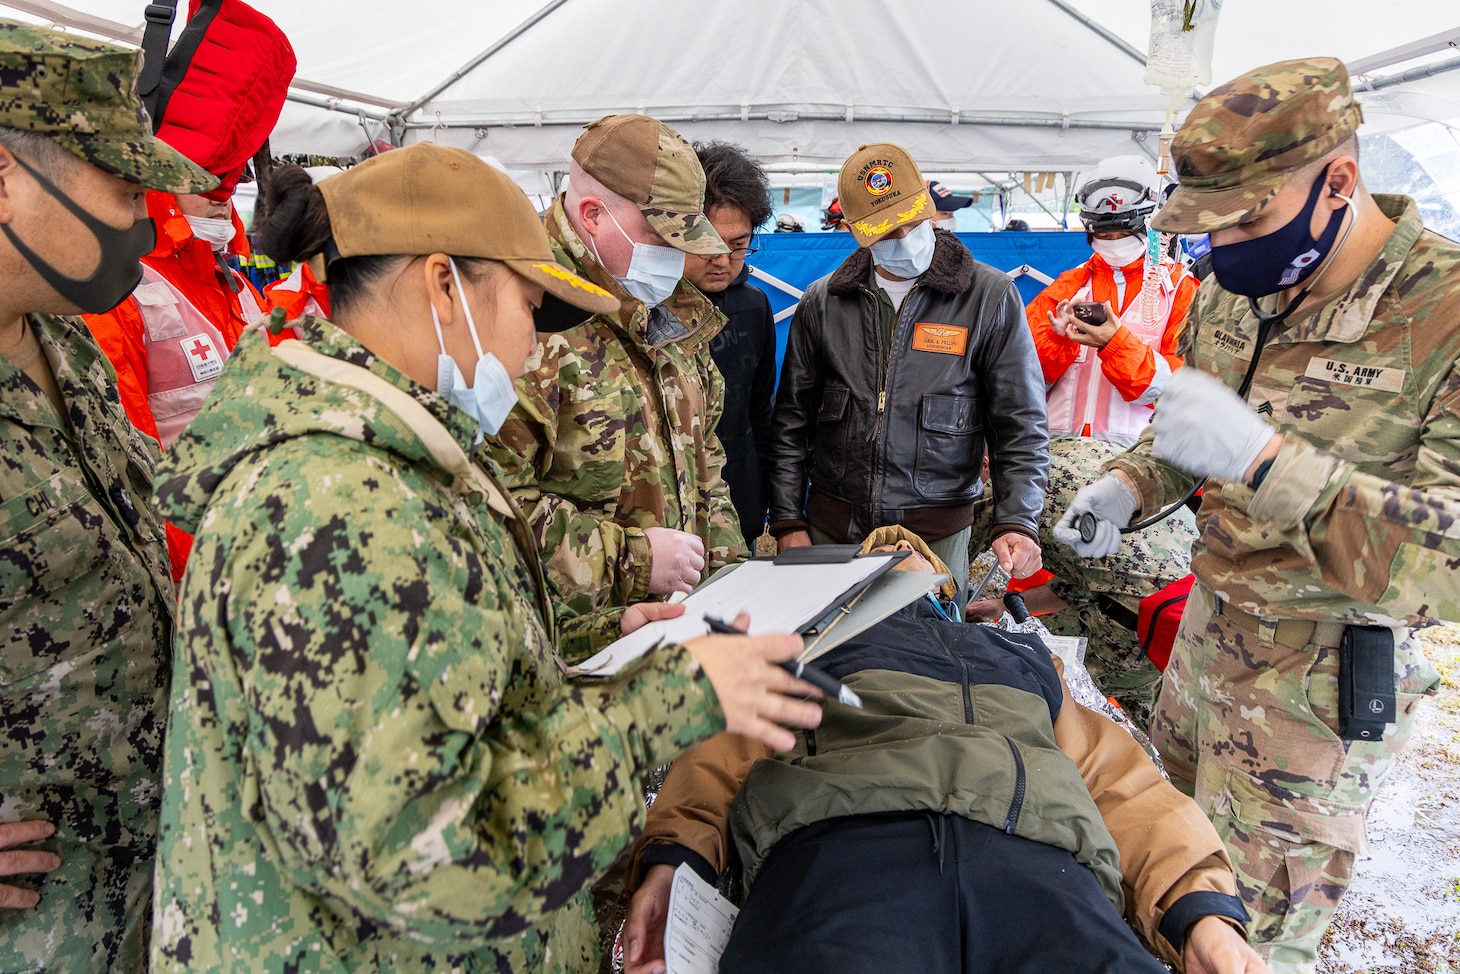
(1380, 82)
(673, 117)
(476, 62)
(333, 98)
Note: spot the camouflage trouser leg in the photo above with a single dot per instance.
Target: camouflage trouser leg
(1113, 654)
(1249, 724)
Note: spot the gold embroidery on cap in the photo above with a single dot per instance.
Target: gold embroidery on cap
(563, 274)
(873, 229)
(918, 207)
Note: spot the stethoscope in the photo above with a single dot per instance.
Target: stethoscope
(1266, 322)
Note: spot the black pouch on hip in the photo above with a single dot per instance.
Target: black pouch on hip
(1365, 682)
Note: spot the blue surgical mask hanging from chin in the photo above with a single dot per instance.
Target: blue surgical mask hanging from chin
(491, 396)
(653, 272)
(1282, 259)
(909, 255)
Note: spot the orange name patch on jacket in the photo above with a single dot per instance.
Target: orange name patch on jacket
(930, 336)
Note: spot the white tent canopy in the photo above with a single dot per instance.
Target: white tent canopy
(966, 86)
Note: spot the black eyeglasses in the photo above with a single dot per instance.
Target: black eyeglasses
(740, 253)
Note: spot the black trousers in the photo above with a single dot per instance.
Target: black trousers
(931, 894)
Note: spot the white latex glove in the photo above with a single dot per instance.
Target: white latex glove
(678, 559)
(1204, 427)
(1112, 503)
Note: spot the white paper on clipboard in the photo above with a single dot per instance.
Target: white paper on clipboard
(779, 598)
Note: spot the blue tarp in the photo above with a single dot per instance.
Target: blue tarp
(800, 258)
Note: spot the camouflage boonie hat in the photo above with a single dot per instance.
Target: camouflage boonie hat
(644, 160)
(430, 198)
(1242, 141)
(881, 189)
(83, 94)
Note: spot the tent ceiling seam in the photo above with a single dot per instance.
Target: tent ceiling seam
(477, 61)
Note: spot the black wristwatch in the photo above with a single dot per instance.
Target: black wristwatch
(1260, 473)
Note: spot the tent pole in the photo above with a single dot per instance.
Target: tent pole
(681, 115)
(1109, 35)
(471, 65)
(64, 16)
(1411, 74)
(1019, 185)
(333, 105)
(1414, 49)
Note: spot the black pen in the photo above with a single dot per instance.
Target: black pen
(824, 682)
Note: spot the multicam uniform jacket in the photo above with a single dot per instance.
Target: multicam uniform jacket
(1356, 521)
(85, 639)
(376, 763)
(612, 434)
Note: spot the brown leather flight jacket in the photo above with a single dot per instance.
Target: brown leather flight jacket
(892, 430)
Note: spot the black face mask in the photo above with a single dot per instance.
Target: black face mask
(118, 269)
(1281, 259)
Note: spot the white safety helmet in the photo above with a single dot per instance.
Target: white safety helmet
(1119, 194)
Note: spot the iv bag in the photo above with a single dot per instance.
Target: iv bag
(1181, 59)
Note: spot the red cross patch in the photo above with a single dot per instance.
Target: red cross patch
(202, 356)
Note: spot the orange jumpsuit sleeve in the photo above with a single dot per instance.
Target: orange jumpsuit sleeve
(119, 333)
(1056, 353)
(1130, 365)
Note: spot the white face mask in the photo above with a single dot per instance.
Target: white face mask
(1118, 253)
(907, 256)
(491, 396)
(653, 273)
(218, 231)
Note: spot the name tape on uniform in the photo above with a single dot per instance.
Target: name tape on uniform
(944, 339)
(1349, 374)
(1228, 342)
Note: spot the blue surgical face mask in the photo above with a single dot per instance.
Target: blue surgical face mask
(1279, 260)
(653, 273)
(491, 396)
(909, 255)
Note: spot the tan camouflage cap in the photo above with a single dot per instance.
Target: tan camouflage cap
(644, 160)
(428, 199)
(880, 190)
(1242, 141)
(83, 94)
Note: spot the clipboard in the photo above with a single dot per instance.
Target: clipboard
(800, 594)
(886, 595)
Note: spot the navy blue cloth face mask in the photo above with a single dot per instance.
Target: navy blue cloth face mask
(118, 270)
(1279, 260)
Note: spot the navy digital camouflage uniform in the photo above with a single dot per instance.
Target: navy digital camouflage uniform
(86, 600)
(1147, 561)
(377, 762)
(85, 631)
